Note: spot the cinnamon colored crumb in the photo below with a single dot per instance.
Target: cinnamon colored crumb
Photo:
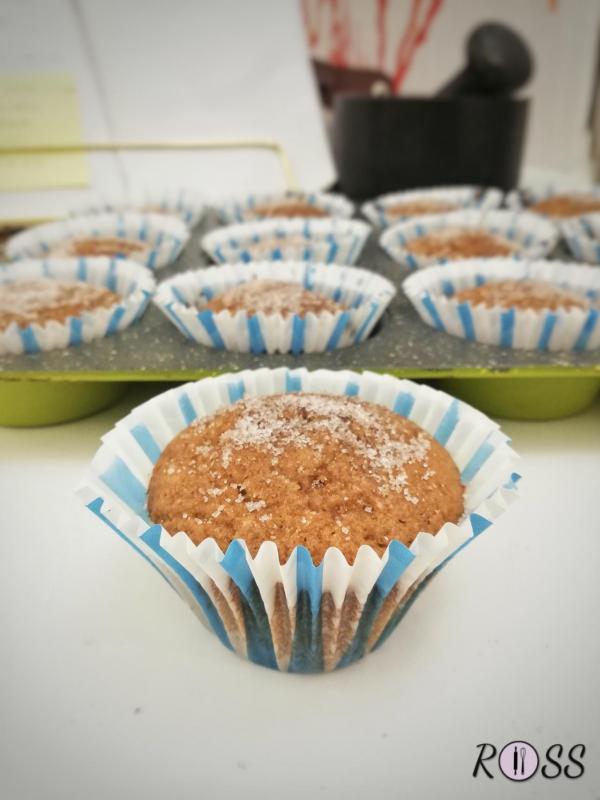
(567, 205)
(273, 297)
(415, 208)
(43, 300)
(305, 469)
(453, 244)
(110, 246)
(288, 208)
(535, 295)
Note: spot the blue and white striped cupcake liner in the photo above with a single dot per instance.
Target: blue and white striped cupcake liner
(133, 282)
(244, 210)
(365, 294)
(376, 211)
(431, 293)
(534, 235)
(184, 204)
(163, 236)
(326, 241)
(582, 236)
(298, 616)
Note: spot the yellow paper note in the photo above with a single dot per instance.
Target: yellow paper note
(38, 109)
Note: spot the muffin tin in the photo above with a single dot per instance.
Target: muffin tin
(52, 387)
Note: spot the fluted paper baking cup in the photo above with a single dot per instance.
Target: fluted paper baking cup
(248, 208)
(327, 241)
(130, 280)
(582, 236)
(534, 235)
(431, 293)
(377, 210)
(163, 236)
(297, 616)
(364, 294)
(184, 204)
(526, 197)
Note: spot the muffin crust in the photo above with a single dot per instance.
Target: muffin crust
(43, 300)
(288, 208)
(305, 469)
(455, 243)
(273, 297)
(110, 246)
(567, 205)
(525, 294)
(415, 208)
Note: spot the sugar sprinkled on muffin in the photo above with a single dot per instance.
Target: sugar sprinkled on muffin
(273, 297)
(305, 469)
(92, 246)
(453, 243)
(44, 300)
(525, 294)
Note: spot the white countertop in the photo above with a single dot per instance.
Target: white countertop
(110, 687)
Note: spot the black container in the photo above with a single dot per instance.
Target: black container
(388, 144)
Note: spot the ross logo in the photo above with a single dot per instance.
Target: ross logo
(520, 761)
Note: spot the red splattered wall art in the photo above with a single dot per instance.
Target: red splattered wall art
(341, 47)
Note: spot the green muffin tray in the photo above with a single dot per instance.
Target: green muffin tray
(62, 385)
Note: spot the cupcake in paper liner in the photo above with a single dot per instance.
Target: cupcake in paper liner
(389, 209)
(58, 303)
(298, 512)
(538, 305)
(287, 205)
(472, 233)
(582, 236)
(327, 241)
(556, 204)
(184, 204)
(154, 240)
(276, 307)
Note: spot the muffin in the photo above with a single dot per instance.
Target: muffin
(290, 205)
(450, 244)
(183, 204)
(521, 294)
(298, 512)
(153, 240)
(437, 238)
(287, 208)
(273, 297)
(533, 305)
(52, 304)
(276, 306)
(329, 240)
(388, 209)
(562, 206)
(93, 246)
(417, 208)
(44, 300)
(308, 469)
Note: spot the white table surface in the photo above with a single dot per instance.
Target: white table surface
(111, 688)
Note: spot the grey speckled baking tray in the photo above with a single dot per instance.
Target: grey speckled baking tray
(154, 350)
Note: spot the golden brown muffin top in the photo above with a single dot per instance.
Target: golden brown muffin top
(415, 208)
(453, 243)
(42, 300)
(288, 208)
(567, 205)
(305, 469)
(521, 294)
(99, 246)
(273, 297)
